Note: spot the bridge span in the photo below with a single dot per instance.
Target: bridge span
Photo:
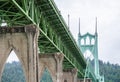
(38, 34)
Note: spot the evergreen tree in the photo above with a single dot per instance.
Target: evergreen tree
(13, 72)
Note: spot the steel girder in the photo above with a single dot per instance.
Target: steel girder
(44, 14)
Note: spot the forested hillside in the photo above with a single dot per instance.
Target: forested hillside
(13, 72)
(111, 72)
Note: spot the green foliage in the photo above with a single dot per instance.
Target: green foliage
(13, 72)
(111, 72)
(46, 76)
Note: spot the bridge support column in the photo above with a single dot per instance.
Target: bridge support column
(53, 62)
(23, 40)
(70, 75)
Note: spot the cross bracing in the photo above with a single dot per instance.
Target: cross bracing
(54, 33)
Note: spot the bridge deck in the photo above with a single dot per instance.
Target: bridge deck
(54, 33)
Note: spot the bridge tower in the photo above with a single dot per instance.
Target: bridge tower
(90, 42)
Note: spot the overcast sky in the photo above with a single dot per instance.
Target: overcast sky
(108, 14)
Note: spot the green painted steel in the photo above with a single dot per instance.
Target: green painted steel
(90, 42)
(54, 33)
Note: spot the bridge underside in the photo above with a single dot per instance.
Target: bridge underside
(54, 34)
(24, 41)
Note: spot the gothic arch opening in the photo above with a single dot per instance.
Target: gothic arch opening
(46, 76)
(89, 58)
(13, 70)
(82, 42)
(88, 41)
(87, 54)
(93, 41)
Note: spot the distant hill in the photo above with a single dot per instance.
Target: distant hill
(13, 72)
(111, 72)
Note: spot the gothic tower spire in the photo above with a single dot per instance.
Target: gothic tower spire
(79, 27)
(96, 26)
(68, 21)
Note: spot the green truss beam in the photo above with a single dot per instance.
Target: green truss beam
(22, 12)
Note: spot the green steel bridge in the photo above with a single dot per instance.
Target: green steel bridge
(54, 33)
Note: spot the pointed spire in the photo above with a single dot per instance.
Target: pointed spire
(79, 26)
(68, 21)
(96, 26)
